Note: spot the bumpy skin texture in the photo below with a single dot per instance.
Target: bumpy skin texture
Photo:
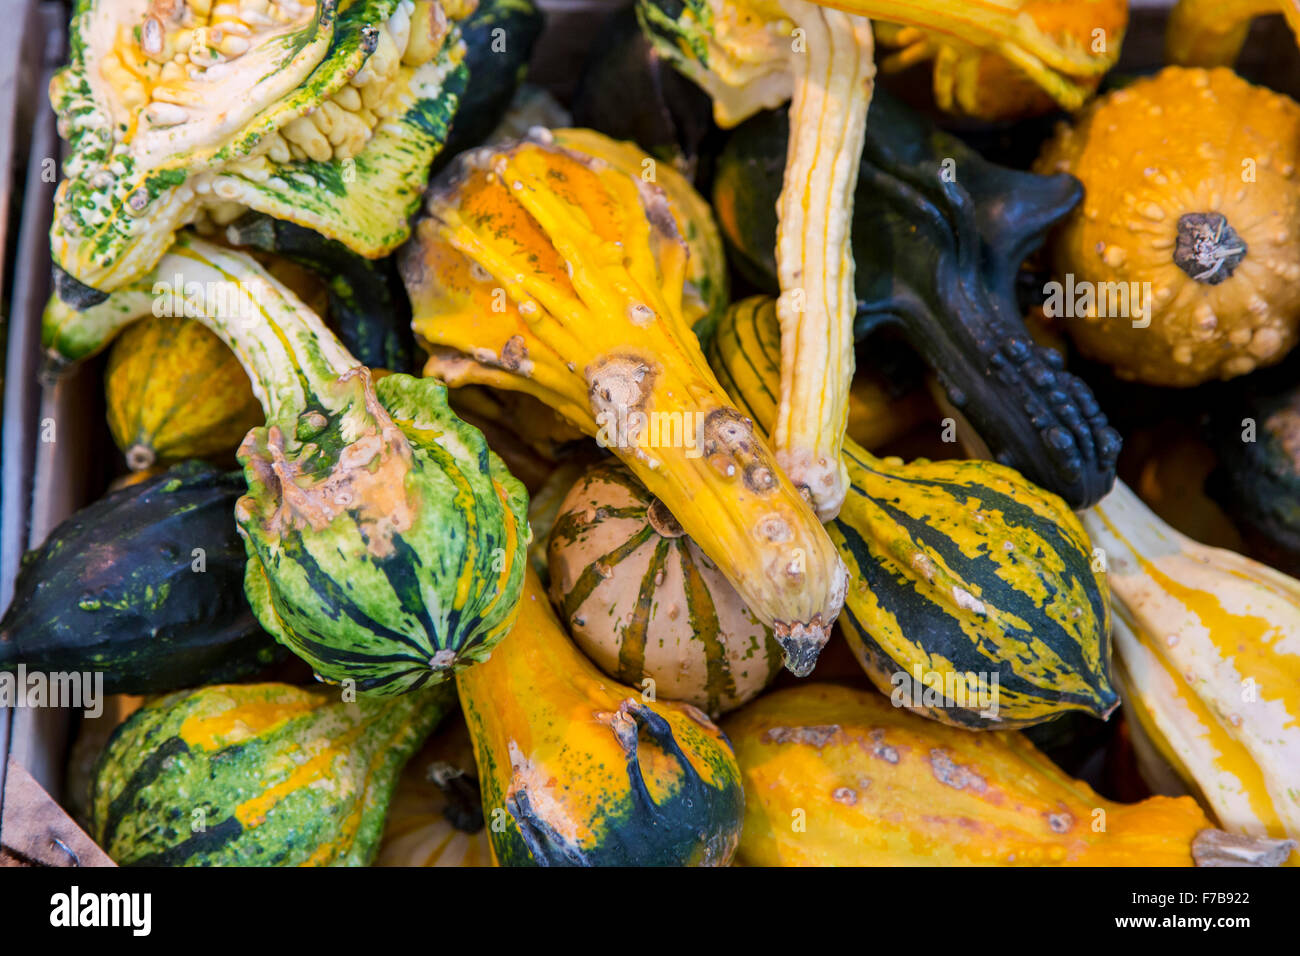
(643, 601)
(960, 569)
(256, 775)
(386, 542)
(544, 270)
(984, 84)
(938, 257)
(173, 390)
(306, 118)
(1209, 647)
(878, 786)
(583, 771)
(117, 588)
(1202, 206)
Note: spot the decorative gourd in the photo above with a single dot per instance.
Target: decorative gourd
(1212, 32)
(386, 543)
(1256, 435)
(143, 587)
(307, 113)
(985, 84)
(964, 573)
(256, 775)
(876, 786)
(1191, 195)
(644, 602)
(93, 735)
(173, 390)
(706, 292)
(880, 412)
(436, 815)
(1209, 643)
(367, 308)
(583, 771)
(544, 270)
(756, 54)
(938, 257)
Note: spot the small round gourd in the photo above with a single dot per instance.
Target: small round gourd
(1191, 194)
(644, 602)
(174, 391)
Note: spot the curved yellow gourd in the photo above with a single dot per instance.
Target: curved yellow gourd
(839, 777)
(579, 770)
(541, 269)
(1209, 647)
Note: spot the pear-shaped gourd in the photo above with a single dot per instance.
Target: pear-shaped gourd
(386, 542)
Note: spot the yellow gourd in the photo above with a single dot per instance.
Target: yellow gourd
(840, 777)
(1181, 265)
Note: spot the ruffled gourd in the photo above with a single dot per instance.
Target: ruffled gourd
(542, 269)
(973, 598)
(984, 83)
(306, 111)
(256, 775)
(385, 542)
(1208, 646)
(756, 55)
(838, 777)
(578, 770)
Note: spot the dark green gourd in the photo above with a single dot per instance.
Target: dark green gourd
(257, 775)
(145, 585)
(939, 235)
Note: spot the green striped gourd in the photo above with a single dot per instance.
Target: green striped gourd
(643, 601)
(386, 543)
(256, 775)
(963, 572)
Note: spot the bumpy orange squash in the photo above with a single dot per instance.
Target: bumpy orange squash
(1181, 265)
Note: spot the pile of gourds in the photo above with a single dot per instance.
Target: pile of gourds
(545, 509)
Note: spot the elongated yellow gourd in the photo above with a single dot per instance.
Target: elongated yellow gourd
(1209, 643)
(839, 777)
(540, 269)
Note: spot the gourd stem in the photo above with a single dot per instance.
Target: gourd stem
(1208, 248)
(292, 359)
(834, 73)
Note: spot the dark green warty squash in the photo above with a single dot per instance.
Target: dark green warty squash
(966, 579)
(122, 589)
(257, 775)
(386, 543)
(939, 236)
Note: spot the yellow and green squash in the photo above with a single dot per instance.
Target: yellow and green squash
(579, 770)
(973, 598)
(256, 775)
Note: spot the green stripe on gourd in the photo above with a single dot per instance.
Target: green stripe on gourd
(256, 775)
(959, 567)
(386, 543)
